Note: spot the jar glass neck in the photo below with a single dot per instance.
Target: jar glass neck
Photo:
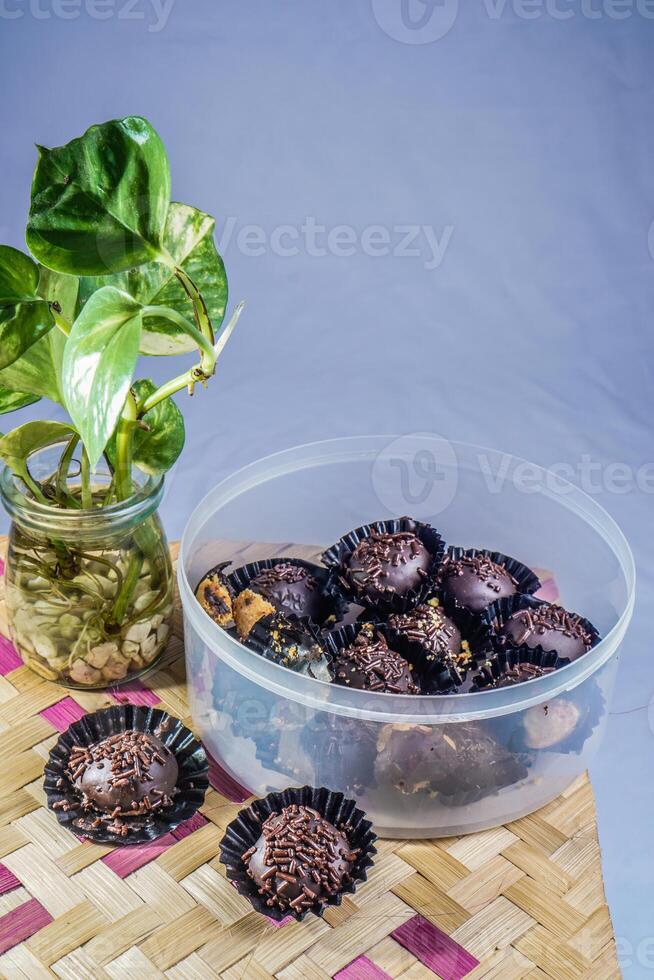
(70, 523)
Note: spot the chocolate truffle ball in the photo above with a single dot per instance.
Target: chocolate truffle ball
(550, 627)
(450, 760)
(369, 665)
(428, 625)
(215, 597)
(291, 588)
(132, 772)
(300, 860)
(474, 581)
(388, 564)
(249, 607)
(550, 724)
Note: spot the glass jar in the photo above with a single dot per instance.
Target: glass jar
(89, 592)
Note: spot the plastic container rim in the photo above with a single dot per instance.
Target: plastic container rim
(390, 708)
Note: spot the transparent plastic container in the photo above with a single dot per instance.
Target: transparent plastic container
(420, 766)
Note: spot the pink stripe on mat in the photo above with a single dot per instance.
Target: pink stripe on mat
(63, 713)
(362, 969)
(9, 656)
(2, 567)
(8, 880)
(124, 860)
(223, 783)
(284, 922)
(189, 826)
(435, 949)
(134, 692)
(21, 923)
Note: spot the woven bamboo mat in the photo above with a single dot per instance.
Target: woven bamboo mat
(524, 900)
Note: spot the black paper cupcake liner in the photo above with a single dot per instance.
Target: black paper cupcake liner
(243, 833)
(336, 558)
(527, 581)
(500, 662)
(499, 612)
(192, 781)
(332, 604)
(293, 643)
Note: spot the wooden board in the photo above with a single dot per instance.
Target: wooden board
(525, 900)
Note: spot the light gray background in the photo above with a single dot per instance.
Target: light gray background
(526, 128)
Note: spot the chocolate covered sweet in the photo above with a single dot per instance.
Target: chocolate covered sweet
(550, 627)
(291, 588)
(428, 625)
(385, 564)
(547, 725)
(368, 664)
(300, 860)
(249, 607)
(474, 581)
(215, 597)
(129, 774)
(456, 761)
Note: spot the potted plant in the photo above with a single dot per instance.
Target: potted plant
(118, 271)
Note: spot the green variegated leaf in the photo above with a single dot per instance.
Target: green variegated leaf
(38, 371)
(99, 203)
(61, 289)
(19, 276)
(17, 446)
(20, 327)
(189, 240)
(99, 361)
(24, 316)
(10, 401)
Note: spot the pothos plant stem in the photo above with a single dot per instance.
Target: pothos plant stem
(124, 439)
(199, 306)
(87, 497)
(61, 479)
(188, 379)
